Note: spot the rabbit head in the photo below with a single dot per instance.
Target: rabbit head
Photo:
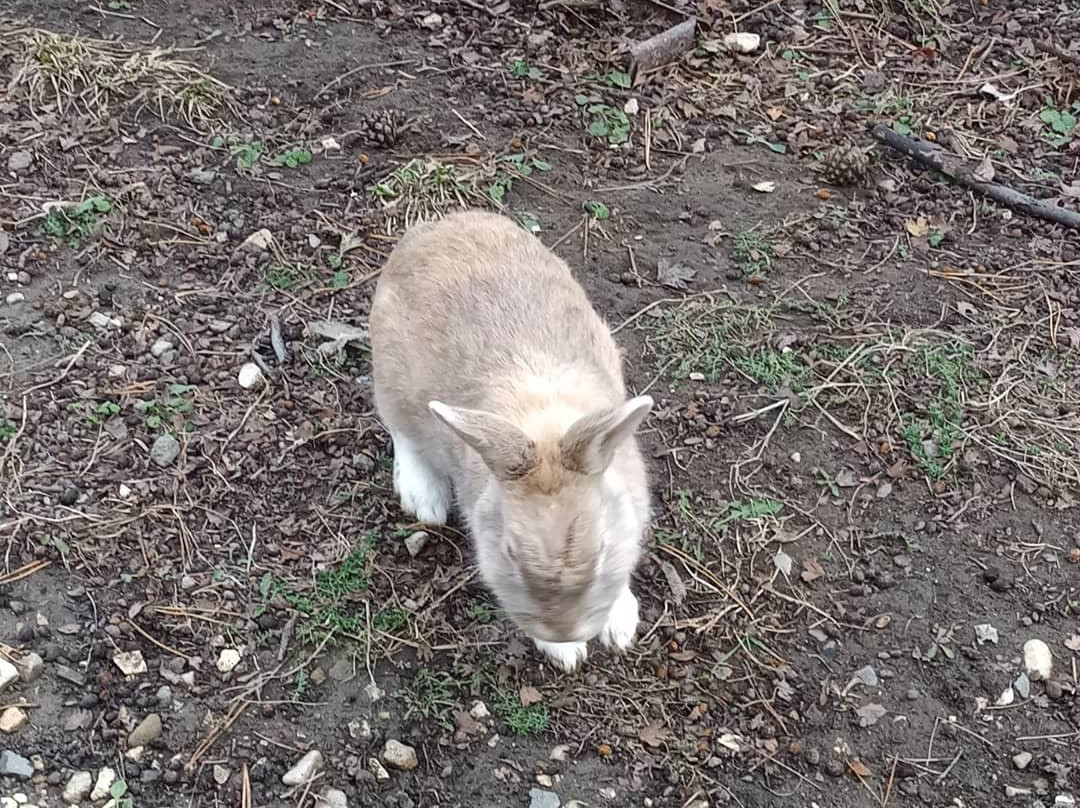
(560, 506)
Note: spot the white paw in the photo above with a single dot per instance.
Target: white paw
(565, 656)
(423, 492)
(622, 622)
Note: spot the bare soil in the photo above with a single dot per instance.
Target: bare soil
(864, 454)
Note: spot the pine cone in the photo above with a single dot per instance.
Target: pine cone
(845, 165)
(381, 129)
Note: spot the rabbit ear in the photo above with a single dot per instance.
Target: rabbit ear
(505, 449)
(590, 443)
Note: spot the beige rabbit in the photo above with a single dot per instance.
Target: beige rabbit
(501, 385)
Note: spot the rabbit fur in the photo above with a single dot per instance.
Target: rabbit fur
(501, 386)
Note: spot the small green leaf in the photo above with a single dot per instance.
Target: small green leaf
(598, 128)
(265, 583)
(935, 238)
(901, 127)
(619, 78)
(581, 99)
(541, 165)
(598, 210)
(117, 789)
(339, 280)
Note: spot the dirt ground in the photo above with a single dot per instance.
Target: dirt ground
(862, 585)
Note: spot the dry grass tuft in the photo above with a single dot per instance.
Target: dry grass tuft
(94, 77)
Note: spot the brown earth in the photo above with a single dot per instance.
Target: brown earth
(864, 449)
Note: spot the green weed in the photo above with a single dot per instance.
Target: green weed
(328, 607)
(483, 613)
(293, 158)
(606, 122)
(753, 253)
(532, 720)
(750, 510)
(8, 429)
(1060, 123)
(392, 620)
(283, 277)
(169, 412)
(772, 368)
(431, 695)
(508, 169)
(931, 436)
(76, 223)
(521, 69)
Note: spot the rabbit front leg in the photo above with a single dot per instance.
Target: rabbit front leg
(423, 491)
(622, 622)
(566, 656)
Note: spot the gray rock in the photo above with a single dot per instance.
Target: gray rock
(78, 788)
(164, 697)
(416, 543)
(148, 731)
(399, 755)
(160, 346)
(165, 450)
(31, 667)
(332, 798)
(15, 765)
(1021, 760)
(539, 798)
(20, 161)
(304, 769)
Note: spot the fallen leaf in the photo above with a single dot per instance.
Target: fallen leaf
(764, 187)
(1073, 643)
(654, 734)
(984, 633)
(783, 562)
(730, 741)
(869, 714)
(847, 478)
(675, 582)
(812, 570)
(529, 695)
(824, 194)
(683, 656)
(337, 334)
(673, 274)
(858, 768)
(984, 172)
(917, 227)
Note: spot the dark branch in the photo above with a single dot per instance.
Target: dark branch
(931, 156)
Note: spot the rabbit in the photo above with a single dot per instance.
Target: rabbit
(502, 388)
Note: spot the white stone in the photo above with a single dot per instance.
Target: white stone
(304, 770)
(14, 298)
(100, 319)
(480, 711)
(125, 491)
(12, 720)
(78, 788)
(1038, 661)
(742, 42)
(160, 346)
(9, 674)
(106, 777)
(228, 660)
(377, 769)
(250, 376)
(221, 774)
(130, 663)
(399, 755)
(1021, 760)
(259, 241)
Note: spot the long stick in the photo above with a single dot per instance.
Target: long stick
(963, 173)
